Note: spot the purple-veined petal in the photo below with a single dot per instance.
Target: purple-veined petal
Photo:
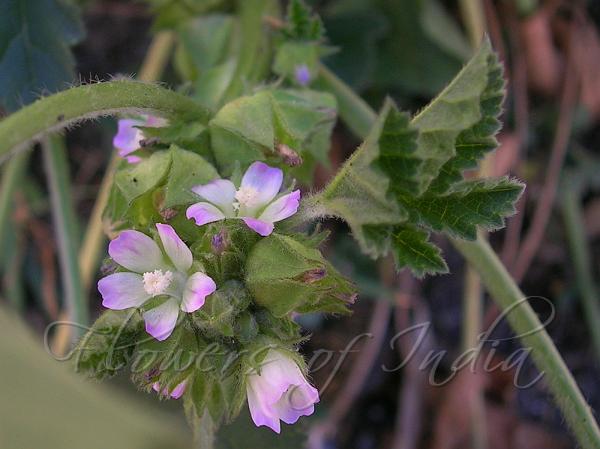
(136, 252)
(265, 180)
(161, 320)
(197, 288)
(204, 213)
(282, 208)
(128, 137)
(220, 192)
(262, 227)
(178, 252)
(122, 290)
(261, 412)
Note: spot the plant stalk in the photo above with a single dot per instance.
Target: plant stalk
(576, 236)
(65, 228)
(152, 68)
(61, 110)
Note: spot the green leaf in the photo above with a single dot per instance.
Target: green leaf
(135, 180)
(108, 345)
(457, 109)
(417, 167)
(34, 48)
(249, 128)
(187, 170)
(482, 203)
(302, 24)
(412, 249)
(358, 195)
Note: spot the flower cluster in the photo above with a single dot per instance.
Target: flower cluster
(162, 279)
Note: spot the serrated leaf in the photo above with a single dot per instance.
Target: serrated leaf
(187, 170)
(457, 109)
(412, 249)
(482, 203)
(358, 194)
(421, 164)
(35, 41)
(302, 24)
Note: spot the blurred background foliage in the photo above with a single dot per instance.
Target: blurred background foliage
(408, 49)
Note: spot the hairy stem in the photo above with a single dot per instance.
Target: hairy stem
(58, 111)
(89, 255)
(503, 290)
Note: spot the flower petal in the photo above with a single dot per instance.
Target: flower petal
(282, 208)
(175, 394)
(161, 320)
(220, 192)
(122, 290)
(204, 213)
(260, 411)
(298, 401)
(264, 179)
(136, 252)
(178, 252)
(127, 139)
(262, 227)
(179, 390)
(197, 288)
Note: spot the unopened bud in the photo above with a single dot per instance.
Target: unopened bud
(220, 241)
(168, 213)
(289, 156)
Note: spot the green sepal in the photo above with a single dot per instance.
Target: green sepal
(284, 275)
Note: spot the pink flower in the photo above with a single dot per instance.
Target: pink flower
(175, 394)
(128, 137)
(279, 392)
(153, 272)
(256, 201)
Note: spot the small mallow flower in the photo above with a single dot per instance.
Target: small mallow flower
(176, 393)
(256, 201)
(279, 392)
(153, 272)
(302, 74)
(128, 137)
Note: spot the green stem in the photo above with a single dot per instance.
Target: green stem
(528, 327)
(91, 248)
(10, 178)
(576, 236)
(503, 290)
(61, 110)
(255, 52)
(65, 227)
(474, 19)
